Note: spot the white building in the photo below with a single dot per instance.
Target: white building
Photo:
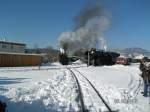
(13, 47)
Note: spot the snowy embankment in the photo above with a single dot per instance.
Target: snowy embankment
(53, 88)
(38, 91)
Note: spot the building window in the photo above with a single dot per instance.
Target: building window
(12, 47)
(4, 46)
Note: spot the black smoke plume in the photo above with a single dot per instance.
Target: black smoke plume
(89, 26)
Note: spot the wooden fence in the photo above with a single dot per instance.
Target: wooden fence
(18, 59)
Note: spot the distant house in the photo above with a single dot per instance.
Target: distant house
(13, 47)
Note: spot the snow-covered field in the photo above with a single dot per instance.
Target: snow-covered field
(53, 88)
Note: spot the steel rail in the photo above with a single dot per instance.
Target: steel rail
(83, 109)
(100, 96)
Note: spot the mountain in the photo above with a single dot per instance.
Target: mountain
(133, 52)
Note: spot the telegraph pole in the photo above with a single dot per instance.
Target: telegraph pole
(88, 58)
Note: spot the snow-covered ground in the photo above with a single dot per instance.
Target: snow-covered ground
(38, 90)
(53, 88)
(120, 86)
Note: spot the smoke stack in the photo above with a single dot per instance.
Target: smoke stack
(89, 26)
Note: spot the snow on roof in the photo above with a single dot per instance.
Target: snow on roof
(78, 62)
(21, 54)
(14, 43)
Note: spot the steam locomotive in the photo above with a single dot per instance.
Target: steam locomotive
(93, 57)
(63, 58)
(100, 57)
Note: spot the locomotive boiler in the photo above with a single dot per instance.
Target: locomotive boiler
(63, 57)
(100, 57)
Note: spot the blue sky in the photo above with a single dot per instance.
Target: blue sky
(42, 21)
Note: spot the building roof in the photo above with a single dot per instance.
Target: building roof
(21, 54)
(13, 43)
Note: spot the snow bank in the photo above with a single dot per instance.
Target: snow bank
(56, 94)
(78, 62)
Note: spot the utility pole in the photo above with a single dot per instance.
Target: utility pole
(149, 95)
(88, 58)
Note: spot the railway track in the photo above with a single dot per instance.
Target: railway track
(82, 104)
(81, 95)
